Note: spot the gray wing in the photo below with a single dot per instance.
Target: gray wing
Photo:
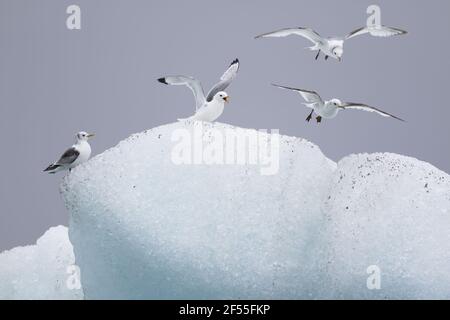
(311, 97)
(377, 32)
(68, 157)
(191, 83)
(225, 80)
(307, 33)
(365, 107)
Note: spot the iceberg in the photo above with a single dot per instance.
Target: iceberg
(144, 226)
(45, 271)
(392, 212)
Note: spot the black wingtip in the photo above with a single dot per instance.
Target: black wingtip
(51, 167)
(162, 80)
(280, 86)
(234, 62)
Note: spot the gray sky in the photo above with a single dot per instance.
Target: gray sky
(55, 82)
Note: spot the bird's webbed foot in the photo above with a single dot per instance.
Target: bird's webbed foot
(308, 119)
(318, 54)
(319, 119)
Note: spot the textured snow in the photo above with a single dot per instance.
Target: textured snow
(143, 227)
(393, 212)
(39, 271)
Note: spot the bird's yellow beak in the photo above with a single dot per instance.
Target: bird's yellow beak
(90, 135)
(227, 99)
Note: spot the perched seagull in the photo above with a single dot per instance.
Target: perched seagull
(334, 46)
(208, 108)
(75, 155)
(330, 109)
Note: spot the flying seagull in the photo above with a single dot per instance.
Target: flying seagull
(376, 31)
(333, 46)
(75, 155)
(210, 107)
(330, 109)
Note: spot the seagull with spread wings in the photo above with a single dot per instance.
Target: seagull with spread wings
(330, 109)
(376, 31)
(80, 152)
(331, 47)
(210, 107)
(334, 46)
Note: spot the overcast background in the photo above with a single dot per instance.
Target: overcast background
(55, 82)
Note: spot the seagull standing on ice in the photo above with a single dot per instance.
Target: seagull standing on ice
(330, 109)
(77, 154)
(334, 46)
(210, 107)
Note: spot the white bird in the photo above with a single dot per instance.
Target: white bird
(210, 107)
(80, 152)
(376, 31)
(333, 46)
(330, 109)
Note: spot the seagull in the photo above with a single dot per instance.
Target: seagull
(333, 46)
(211, 107)
(376, 31)
(75, 155)
(330, 109)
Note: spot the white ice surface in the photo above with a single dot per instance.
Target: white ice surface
(143, 227)
(39, 271)
(393, 212)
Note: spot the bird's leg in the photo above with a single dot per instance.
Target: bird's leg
(318, 54)
(319, 119)
(326, 57)
(310, 116)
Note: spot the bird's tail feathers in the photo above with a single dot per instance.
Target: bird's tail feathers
(313, 48)
(309, 104)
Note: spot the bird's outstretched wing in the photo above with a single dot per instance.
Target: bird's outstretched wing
(307, 33)
(225, 80)
(311, 97)
(365, 107)
(381, 31)
(191, 83)
(68, 157)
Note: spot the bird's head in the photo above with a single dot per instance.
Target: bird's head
(335, 102)
(338, 52)
(221, 97)
(84, 136)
